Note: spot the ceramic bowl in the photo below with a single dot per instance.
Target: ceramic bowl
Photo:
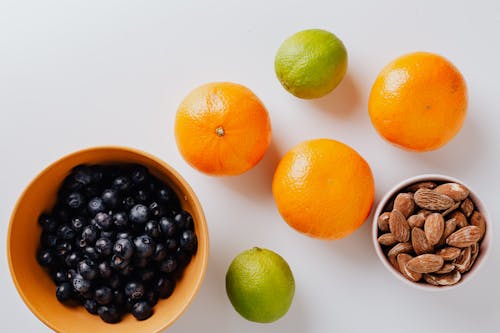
(37, 289)
(485, 243)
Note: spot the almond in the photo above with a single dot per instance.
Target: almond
(426, 263)
(474, 255)
(418, 186)
(387, 239)
(404, 204)
(432, 200)
(383, 222)
(449, 253)
(447, 267)
(424, 213)
(419, 242)
(397, 249)
(478, 220)
(448, 279)
(456, 191)
(451, 209)
(464, 237)
(449, 227)
(460, 218)
(402, 260)
(467, 207)
(434, 228)
(416, 221)
(399, 226)
(463, 260)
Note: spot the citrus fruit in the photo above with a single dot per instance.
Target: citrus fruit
(260, 285)
(222, 128)
(323, 188)
(418, 101)
(311, 63)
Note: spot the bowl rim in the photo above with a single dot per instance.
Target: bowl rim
(204, 251)
(487, 240)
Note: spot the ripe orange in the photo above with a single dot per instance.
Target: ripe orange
(418, 101)
(222, 128)
(323, 188)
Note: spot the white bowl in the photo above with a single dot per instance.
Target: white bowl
(485, 243)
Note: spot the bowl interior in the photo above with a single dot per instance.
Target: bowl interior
(34, 284)
(485, 243)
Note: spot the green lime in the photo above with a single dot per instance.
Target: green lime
(311, 63)
(260, 285)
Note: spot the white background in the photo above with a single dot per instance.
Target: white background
(75, 74)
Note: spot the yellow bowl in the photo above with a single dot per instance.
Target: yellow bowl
(35, 286)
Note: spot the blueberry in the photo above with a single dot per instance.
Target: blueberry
(160, 252)
(80, 284)
(142, 310)
(110, 234)
(156, 209)
(122, 183)
(183, 257)
(45, 257)
(109, 314)
(72, 273)
(72, 259)
(90, 305)
(151, 297)
(82, 174)
(118, 298)
(64, 292)
(118, 262)
(164, 286)
(165, 195)
(90, 253)
(171, 244)
(152, 229)
(139, 174)
(95, 206)
(74, 200)
(89, 234)
(168, 226)
(60, 276)
(124, 248)
(104, 246)
(134, 290)
(47, 222)
(144, 246)
(104, 269)
(138, 214)
(77, 223)
(48, 240)
(189, 223)
(103, 221)
(63, 248)
(122, 235)
(115, 281)
(65, 232)
(71, 184)
(168, 265)
(97, 173)
(128, 202)
(146, 275)
(87, 269)
(103, 295)
(110, 198)
(141, 196)
(181, 221)
(188, 241)
(120, 220)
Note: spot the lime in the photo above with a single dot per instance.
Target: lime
(260, 285)
(311, 63)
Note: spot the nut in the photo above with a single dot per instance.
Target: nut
(397, 249)
(467, 207)
(434, 228)
(419, 242)
(457, 192)
(416, 221)
(383, 222)
(426, 263)
(460, 218)
(447, 267)
(399, 226)
(404, 204)
(402, 260)
(443, 279)
(463, 261)
(449, 253)
(478, 220)
(387, 239)
(418, 186)
(464, 237)
(432, 200)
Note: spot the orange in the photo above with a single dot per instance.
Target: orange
(418, 101)
(324, 189)
(222, 128)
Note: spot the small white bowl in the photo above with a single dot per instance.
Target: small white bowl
(485, 243)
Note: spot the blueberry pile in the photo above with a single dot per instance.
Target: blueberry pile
(116, 240)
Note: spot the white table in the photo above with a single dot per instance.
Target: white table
(75, 74)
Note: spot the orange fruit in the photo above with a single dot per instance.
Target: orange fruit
(418, 101)
(324, 189)
(222, 128)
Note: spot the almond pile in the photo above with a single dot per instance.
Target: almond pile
(432, 232)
